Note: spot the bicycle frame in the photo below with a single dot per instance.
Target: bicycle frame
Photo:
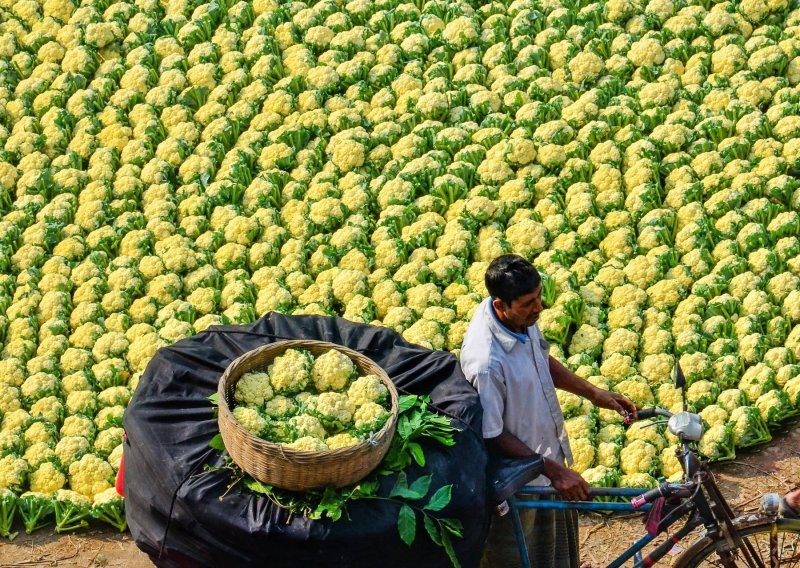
(516, 504)
(705, 506)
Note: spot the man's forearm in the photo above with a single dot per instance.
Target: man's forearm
(508, 444)
(565, 379)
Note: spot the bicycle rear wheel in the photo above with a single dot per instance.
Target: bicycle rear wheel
(766, 538)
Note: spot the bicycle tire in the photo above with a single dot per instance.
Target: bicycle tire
(703, 551)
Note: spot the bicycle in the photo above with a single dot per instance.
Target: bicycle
(760, 540)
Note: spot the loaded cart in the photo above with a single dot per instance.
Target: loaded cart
(189, 504)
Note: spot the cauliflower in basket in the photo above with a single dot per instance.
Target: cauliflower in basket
(253, 388)
(333, 409)
(290, 373)
(306, 425)
(370, 415)
(280, 407)
(332, 371)
(369, 388)
(308, 444)
(343, 440)
(250, 419)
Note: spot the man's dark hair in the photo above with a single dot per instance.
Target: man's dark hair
(510, 276)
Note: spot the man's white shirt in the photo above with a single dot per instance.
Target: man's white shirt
(515, 386)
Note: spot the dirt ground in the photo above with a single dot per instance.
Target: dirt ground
(775, 467)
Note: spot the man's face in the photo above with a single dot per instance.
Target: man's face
(524, 311)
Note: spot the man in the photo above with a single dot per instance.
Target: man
(506, 358)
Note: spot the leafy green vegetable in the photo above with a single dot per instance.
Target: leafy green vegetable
(36, 511)
(8, 506)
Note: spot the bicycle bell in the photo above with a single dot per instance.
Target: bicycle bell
(770, 504)
(686, 425)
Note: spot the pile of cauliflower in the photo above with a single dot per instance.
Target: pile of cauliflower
(166, 167)
(311, 404)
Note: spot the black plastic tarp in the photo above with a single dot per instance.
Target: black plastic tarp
(173, 506)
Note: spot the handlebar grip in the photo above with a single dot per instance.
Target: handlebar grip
(647, 497)
(646, 413)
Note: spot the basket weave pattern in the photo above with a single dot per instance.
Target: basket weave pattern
(292, 469)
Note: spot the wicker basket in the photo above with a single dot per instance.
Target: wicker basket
(291, 469)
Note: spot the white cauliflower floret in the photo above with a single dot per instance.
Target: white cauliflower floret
(37, 453)
(343, 440)
(332, 371)
(333, 407)
(645, 430)
(307, 425)
(370, 415)
(280, 407)
(13, 472)
(608, 454)
(714, 414)
(427, 333)
(587, 339)
(308, 444)
(657, 368)
(70, 449)
(253, 388)
(291, 372)
(637, 390)
(617, 366)
(369, 388)
(250, 419)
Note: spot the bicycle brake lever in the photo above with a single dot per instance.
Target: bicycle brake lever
(655, 423)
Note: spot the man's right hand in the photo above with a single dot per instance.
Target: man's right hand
(568, 483)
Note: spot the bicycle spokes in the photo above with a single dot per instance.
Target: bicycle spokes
(766, 548)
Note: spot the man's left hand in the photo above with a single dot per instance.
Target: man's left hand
(614, 401)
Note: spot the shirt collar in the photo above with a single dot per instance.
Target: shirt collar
(506, 337)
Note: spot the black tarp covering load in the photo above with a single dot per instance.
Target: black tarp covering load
(173, 506)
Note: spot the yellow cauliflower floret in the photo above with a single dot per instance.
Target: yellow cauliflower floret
(638, 457)
(332, 371)
(13, 472)
(70, 449)
(253, 388)
(333, 406)
(280, 406)
(90, 475)
(583, 454)
(307, 425)
(308, 444)
(369, 415)
(369, 388)
(343, 440)
(250, 419)
(291, 372)
(47, 479)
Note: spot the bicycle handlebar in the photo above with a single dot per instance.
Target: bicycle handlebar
(645, 413)
(663, 490)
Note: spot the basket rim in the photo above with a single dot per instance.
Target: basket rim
(225, 409)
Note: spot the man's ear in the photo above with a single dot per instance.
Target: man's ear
(499, 305)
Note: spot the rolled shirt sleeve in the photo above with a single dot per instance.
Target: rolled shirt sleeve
(492, 391)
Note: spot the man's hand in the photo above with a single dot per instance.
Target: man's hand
(614, 401)
(568, 483)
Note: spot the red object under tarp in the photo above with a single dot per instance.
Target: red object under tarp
(120, 483)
